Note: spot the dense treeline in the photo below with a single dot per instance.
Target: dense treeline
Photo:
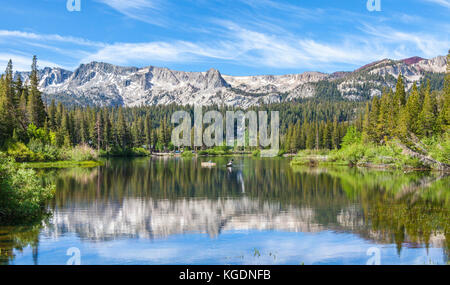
(324, 134)
(421, 114)
(399, 129)
(28, 126)
(410, 117)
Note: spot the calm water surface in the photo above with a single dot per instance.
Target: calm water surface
(172, 211)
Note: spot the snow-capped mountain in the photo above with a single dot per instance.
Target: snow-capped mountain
(103, 84)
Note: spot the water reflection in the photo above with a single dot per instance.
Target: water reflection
(131, 202)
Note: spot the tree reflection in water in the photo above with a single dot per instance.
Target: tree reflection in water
(155, 198)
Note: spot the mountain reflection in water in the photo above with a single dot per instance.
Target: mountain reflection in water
(157, 199)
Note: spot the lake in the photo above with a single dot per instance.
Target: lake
(261, 211)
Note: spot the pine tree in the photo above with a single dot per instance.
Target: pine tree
(36, 108)
(373, 120)
(137, 131)
(3, 113)
(317, 136)
(161, 133)
(427, 117)
(11, 120)
(148, 131)
(412, 111)
(122, 132)
(167, 132)
(99, 128)
(64, 131)
(293, 139)
(444, 114)
(400, 94)
(92, 132)
(19, 88)
(52, 114)
(298, 136)
(155, 138)
(310, 136)
(402, 128)
(384, 117)
(107, 129)
(335, 136)
(366, 124)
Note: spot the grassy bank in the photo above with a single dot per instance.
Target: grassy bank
(427, 153)
(62, 164)
(39, 155)
(36, 151)
(369, 155)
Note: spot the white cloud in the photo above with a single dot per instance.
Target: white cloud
(47, 37)
(142, 10)
(22, 62)
(274, 48)
(407, 42)
(23, 45)
(253, 48)
(444, 3)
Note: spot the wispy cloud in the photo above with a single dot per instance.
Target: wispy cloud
(47, 37)
(406, 42)
(23, 45)
(255, 48)
(243, 46)
(142, 10)
(22, 62)
(444, 3)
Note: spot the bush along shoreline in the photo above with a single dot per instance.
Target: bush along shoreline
(394, 154)
(22, 196)
(38, 154)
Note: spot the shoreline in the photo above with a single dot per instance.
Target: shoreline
(61, 164)
(312, 161)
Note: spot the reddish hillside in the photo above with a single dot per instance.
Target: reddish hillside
(370, 64)
(412, 60)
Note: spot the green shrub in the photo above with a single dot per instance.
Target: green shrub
(139, 151)
(351, 153)
(256, 153)
(22, 196)
(353, 136)
(281, 152)
(119, 152)
(21, 153)
(439, 148)
(81, 153)
(410, 162)
(187, 154)
(47, 151)
(39, 134)
(218, 150)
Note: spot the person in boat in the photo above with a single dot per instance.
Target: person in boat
(230, 163)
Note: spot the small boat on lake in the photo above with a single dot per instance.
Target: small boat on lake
(208, 164)
(230, 163)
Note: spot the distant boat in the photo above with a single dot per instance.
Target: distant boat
(230, 163)
(208, 164)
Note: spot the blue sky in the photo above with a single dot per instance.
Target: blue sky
(240, 37)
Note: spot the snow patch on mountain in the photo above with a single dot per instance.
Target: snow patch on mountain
(104, 84)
